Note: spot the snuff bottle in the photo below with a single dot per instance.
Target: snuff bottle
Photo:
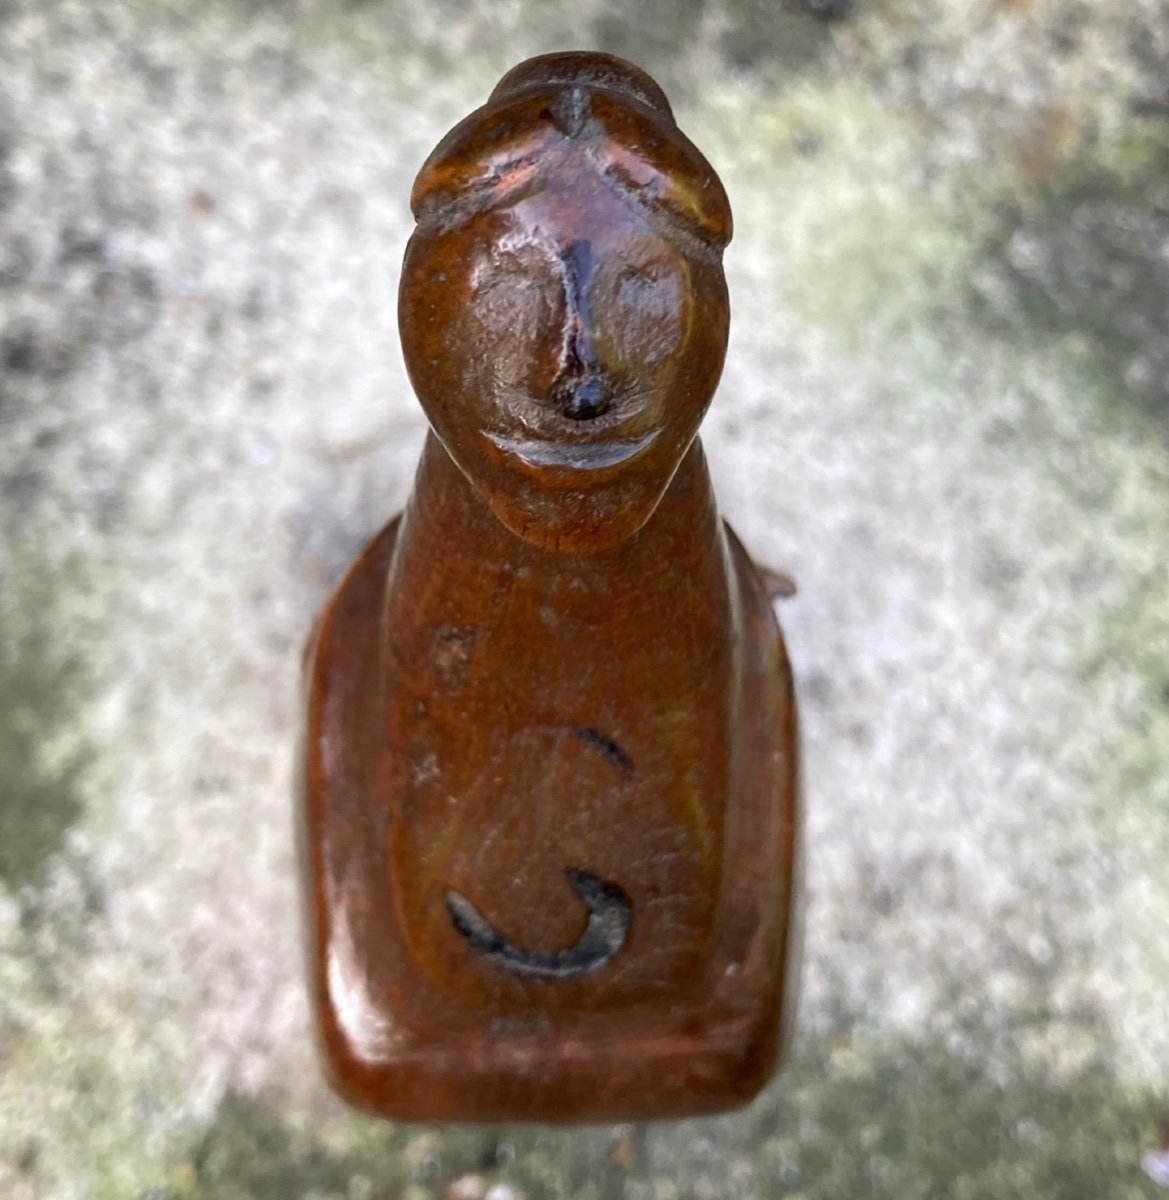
(548, 805)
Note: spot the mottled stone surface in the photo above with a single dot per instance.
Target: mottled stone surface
(946, 412)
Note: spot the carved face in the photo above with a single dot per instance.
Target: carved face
(565, 347)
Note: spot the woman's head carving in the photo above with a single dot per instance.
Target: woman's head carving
(563, 307)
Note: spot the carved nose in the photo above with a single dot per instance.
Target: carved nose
(582, 389)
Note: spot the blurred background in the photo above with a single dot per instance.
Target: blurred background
(945, 412)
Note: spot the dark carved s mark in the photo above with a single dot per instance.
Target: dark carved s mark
(609, 747)
(604, 935)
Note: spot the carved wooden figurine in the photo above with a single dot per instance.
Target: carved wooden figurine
(549, 802)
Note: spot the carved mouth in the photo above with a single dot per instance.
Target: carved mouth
(576, 456)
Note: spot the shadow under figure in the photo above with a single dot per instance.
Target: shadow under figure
(549, 800)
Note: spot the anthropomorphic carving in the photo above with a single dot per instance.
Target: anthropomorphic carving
(549, 800)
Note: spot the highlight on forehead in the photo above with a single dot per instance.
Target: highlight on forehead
(550, 110)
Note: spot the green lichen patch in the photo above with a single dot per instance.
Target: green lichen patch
(1090, 264)
(43, 683)
(860, 237)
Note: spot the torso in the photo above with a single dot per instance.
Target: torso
(554, 714)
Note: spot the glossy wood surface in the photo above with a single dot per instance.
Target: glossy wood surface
(548, 809)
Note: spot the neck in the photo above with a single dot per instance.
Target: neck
(447, 516)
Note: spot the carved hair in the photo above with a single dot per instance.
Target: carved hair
(580, 103)
(583, 68)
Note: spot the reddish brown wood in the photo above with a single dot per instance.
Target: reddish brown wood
(548, 815)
